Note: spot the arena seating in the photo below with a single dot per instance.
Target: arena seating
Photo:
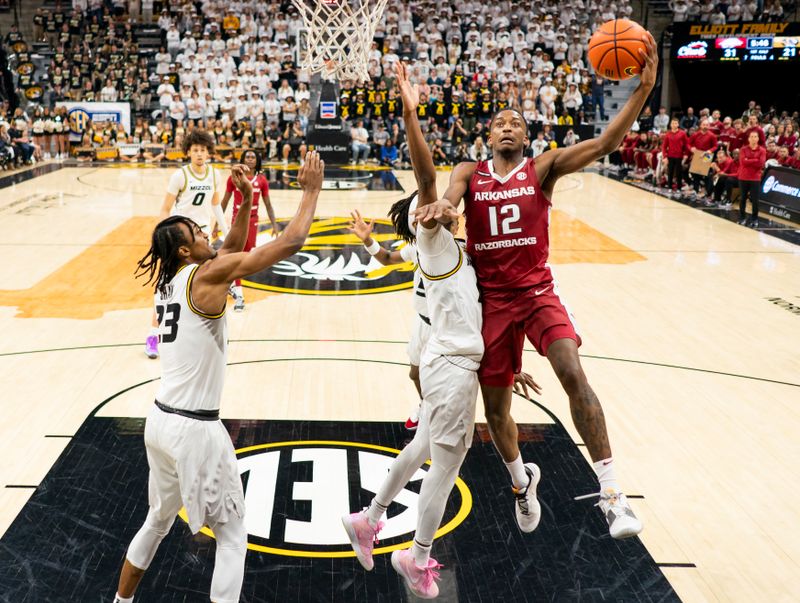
(179, 68)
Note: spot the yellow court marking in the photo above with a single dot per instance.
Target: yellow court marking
(575, 242)
(100, 279)
(96, 281)
(458, 519)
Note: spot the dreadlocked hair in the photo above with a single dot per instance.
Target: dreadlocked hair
(199, 137)
(398, 213)
(161, 262)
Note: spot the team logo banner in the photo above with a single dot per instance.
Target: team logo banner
(80, 114)
(334, 262)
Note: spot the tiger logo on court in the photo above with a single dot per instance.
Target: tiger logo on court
(334, 262)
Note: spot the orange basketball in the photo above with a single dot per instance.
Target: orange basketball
(614, 49)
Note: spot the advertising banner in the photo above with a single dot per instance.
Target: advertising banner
(780, 193)
(81, 113)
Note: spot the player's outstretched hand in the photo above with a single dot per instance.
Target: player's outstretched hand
(239, 177)
(442, 211)
(522, 381)
(312, 173)
(409, 92)
(650, 69)
(359, 227)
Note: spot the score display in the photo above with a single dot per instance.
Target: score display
(761, 42)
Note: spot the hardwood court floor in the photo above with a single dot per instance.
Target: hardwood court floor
(690, 327)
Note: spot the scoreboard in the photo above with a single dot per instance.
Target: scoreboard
(737, 42)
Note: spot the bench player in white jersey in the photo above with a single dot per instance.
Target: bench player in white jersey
(448, 376)
(189, 452)
(192, 192)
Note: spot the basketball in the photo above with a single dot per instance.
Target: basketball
(614, 49)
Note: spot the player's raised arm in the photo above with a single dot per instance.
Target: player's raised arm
(459, 182)
(237, 236)
(214, 277)
(421, 160)
(363, 231)
(568, 160)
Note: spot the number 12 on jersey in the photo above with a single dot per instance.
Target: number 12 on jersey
(511, 211)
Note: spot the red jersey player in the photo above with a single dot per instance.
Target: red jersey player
(260, 190)
(507, 207)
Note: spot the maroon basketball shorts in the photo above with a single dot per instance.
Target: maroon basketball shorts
(510, 316)
(252, 233)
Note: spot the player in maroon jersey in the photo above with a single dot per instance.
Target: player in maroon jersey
(260, 189)
(507, 208)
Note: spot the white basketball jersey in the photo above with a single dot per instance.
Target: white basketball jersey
(451, 292)
(195, 194)
(193, 347)
(409, 254)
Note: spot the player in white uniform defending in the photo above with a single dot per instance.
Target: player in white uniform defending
(421, 327)
(448, 376)
(189, 452)
(192, 192)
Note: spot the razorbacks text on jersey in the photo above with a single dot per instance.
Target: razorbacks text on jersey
(507, 222)
(193, 194)
(193, 347)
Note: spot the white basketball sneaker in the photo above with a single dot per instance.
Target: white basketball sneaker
(622, 522)
(528, 509)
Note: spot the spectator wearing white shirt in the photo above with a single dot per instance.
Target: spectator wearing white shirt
(194, 108)
(539, 144)
(572, 100)
(548, 95)
(255, 106)
(661, 121)
(227, 108)
(272, 107)
(478, 151)
(177, 111)
(241, 111)
(360, 143)
(285, 91)
(165, 93)
(173, 41)
(109, 93)
(734, 11)
(718, 17)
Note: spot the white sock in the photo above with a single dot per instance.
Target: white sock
(422, 554)
(374, 512)
(606, 474)
(414, 414)
(238, 291)
(517, 470)
(120, 599)
(153, 331)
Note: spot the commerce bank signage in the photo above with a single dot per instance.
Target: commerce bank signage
(780, 192)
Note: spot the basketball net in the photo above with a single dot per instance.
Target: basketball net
(340, 34)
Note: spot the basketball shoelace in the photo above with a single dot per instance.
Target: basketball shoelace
(378, 528)
(430, 574)
(522, 497)
(612, 498)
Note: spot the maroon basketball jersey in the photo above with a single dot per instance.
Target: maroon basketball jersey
(507, 227)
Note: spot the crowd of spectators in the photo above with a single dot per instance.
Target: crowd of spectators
(728, 11)
(661, 149)
(230, 67)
